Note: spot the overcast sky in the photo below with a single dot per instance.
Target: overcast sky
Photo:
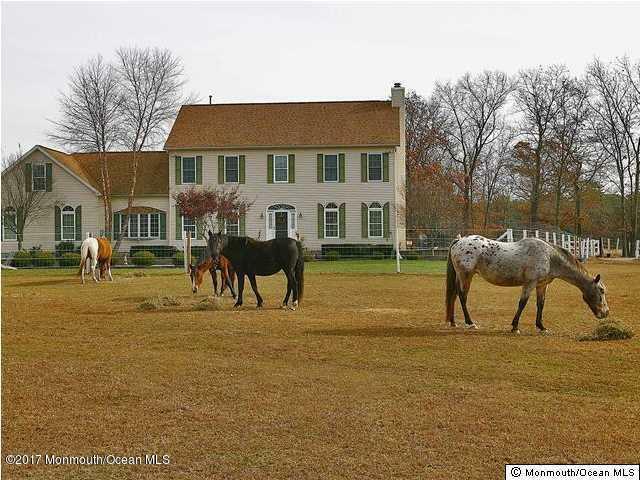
(296, 51)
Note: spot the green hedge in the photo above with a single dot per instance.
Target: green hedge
(143, 258)
(359, 251)
(69, 260)
(160, 251)
(66, 247)
(21, 259)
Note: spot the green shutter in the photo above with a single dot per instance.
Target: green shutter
(270, 168)
(178, 224)
(363, 168)
(220, 169)
(20, 224)
(199, 230)
(385, 167)
(386, 220)
(320, 221)
(28, 182)
(364, 211)
(116, 226)
(79, 223)
(58, 223)
(199, 170)
(178, 170)
(292, 168)
(163, 226)
(242, 225)
(342, 220)
(49, 180)
(320, 168)
(341, 168)
(241, 168)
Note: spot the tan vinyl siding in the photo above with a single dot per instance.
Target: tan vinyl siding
(304, 194)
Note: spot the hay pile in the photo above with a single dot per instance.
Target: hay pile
(209, 303)
(156, 303)
(609, 330)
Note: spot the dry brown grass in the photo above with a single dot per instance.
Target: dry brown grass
(364, 381)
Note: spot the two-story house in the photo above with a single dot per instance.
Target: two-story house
(324, 172)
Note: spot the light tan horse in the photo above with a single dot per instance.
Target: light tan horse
(97, 251)
(530, 263)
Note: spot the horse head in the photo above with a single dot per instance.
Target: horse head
(594, 296)
(216, 243)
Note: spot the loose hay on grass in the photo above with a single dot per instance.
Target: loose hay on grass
(609, 330)
(209, 303)
(155, 303)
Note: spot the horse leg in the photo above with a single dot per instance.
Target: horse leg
(240, 288)
(464, 284)
(541, 291)
(230, 276)
(94, 264)
(524, 298)
(214, 278)
(290, 281)
(254, 286)
(109, 271)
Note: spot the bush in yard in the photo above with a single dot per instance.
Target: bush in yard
(308, 256)
(178, 260)
(143, 259)
(69, 260)
(22, 259)
(377, 255)
(43, 258)
(332, 255)
(65, 247)
(117, 258)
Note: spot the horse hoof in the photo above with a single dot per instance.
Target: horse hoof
(236, 305)
(471, 326)
(284, 306)
(544, 331)
(515, 331)
(452, 325)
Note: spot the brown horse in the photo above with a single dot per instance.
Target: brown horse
(98, 252)
(227, 275)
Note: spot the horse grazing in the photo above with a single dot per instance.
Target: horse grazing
(252, 257)
(530, 263)
(227, 275)
(98, 252)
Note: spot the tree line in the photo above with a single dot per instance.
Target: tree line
(542, 147)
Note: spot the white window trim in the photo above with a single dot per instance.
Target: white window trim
(137, 235)
(13, 236)
(381, 167)
(68, 214)
(33, 177)
(324, 171)
(195, 171)
(337, 210)
(375, 209)
(274, 168)
(195, 232)
(226, 225)
(237, 157)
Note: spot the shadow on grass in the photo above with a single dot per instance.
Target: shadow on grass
(403, 332)
(45, 283)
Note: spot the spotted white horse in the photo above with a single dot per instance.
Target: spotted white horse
(95, 252)
(530, 263)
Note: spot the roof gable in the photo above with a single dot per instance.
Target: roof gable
(254, 125)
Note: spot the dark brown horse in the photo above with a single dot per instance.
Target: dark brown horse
(227, 275)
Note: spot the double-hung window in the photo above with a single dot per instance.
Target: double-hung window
(331, 168)
(39, 176)
(376, 220)
(331, 221)
(188, 169)
(189, 225)
(232, 226)
(68, 223)
(280, 168)
(9, 224)
(231, 169)
(374, 167)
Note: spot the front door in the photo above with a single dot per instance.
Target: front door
(282, 224)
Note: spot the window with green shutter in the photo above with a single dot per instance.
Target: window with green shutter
(320, 221)
(49, 177)
(341, 167)
(199, 170)
(331, 168)
(269, 168)
(343, 220)
(9, 224)
(78, 223)
(320, 168)
(331, 221)
(178, 170)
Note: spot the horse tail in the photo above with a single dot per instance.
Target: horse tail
(300, 271)
(82, 262)
(452, 286)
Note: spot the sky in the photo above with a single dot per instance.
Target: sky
(271, 52)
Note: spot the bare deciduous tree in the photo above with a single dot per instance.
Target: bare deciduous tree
(151, 81)
(472, 109)
(91, 120)
(27, 205)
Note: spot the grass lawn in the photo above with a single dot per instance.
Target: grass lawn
(363, 381)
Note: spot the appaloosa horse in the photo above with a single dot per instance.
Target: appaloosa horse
(530, 263)
(98, 252)
(252, 257)
(227, 275)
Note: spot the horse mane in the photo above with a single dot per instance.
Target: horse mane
(571, 259)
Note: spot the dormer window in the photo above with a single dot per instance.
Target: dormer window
(39, 177)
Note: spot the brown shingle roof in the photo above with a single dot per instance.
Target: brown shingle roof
(153, 170)
(285, 124)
